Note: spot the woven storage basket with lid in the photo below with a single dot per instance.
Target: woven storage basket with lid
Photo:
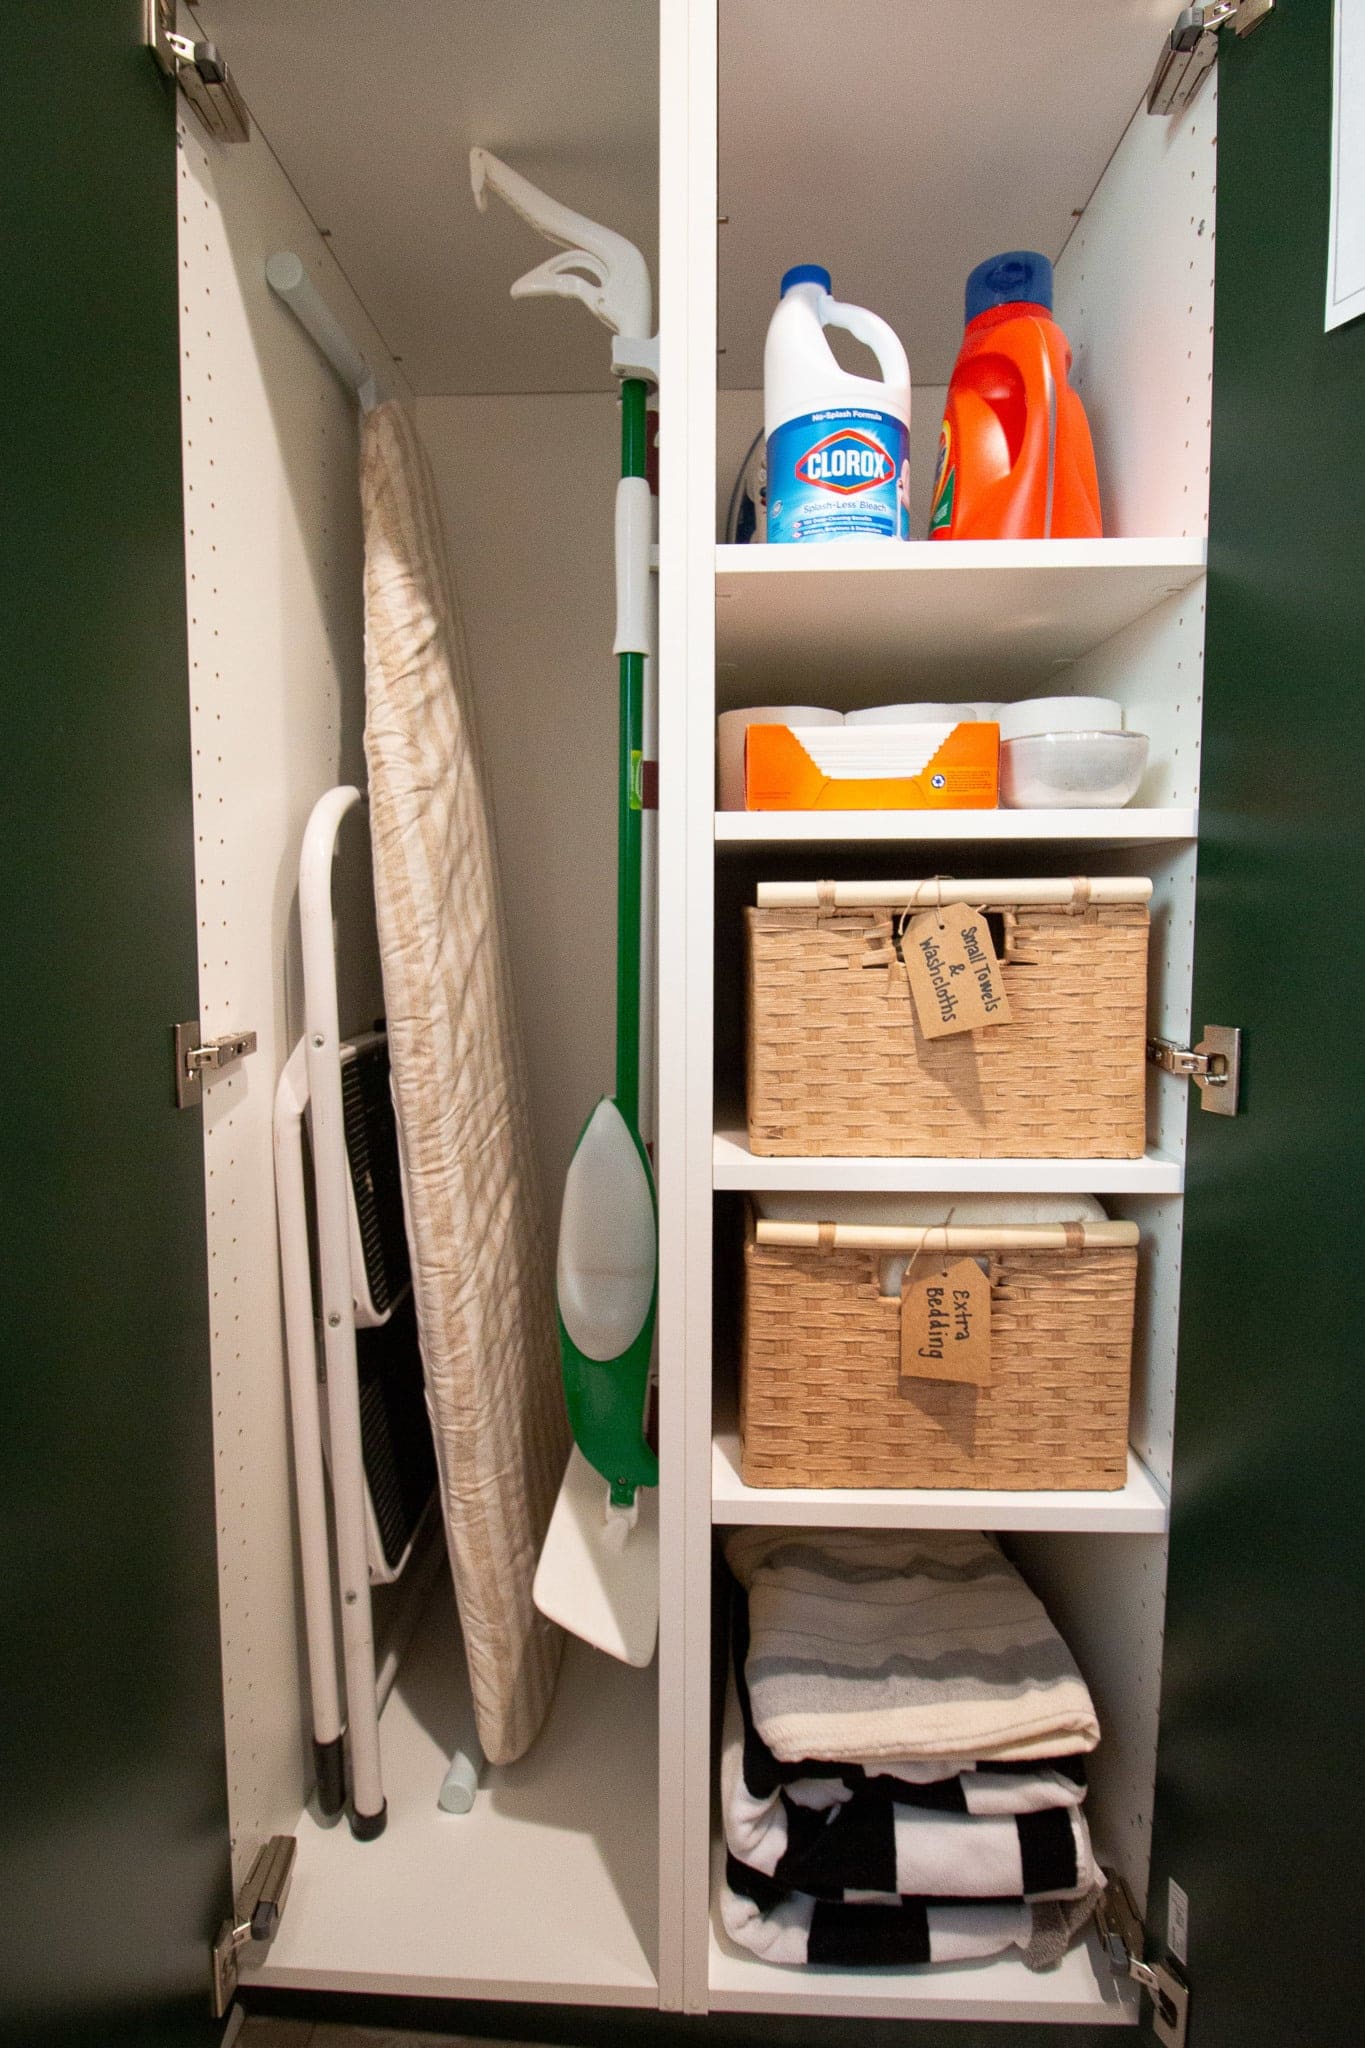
(838, 1065)
(822, 1402)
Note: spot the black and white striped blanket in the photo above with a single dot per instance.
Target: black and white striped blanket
(856, 1865)
(791, 1927)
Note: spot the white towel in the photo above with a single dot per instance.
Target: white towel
(895, 1646)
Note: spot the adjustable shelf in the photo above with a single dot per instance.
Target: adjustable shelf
(1138, 1508)
(734, 1166)
(978, 616)
(740, 829)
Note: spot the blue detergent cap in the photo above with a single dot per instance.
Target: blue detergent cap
(1020, 274)
(805, 273)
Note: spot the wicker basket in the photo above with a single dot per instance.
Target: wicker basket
(837, 1063)
(822, 1402)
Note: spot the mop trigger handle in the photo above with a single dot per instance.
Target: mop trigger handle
(616, 289)
(572, 275)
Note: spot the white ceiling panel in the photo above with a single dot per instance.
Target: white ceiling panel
(900, 142)
(372, 107)
(897, 141)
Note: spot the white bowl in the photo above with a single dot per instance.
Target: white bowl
(731, 727)
(1060, 714)
(910, 714)
(1070, 770)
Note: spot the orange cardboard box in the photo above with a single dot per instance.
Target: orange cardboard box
(939, 767)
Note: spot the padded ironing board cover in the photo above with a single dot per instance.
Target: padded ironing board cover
(481, 1270)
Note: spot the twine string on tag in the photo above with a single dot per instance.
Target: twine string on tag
(918, 1254)
(902, 925)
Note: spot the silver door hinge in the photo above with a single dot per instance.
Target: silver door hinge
(1191, 49)
(199, 71)
(1214, 1065)
(196, 1056)
(255, 1915)
(1121, 1937)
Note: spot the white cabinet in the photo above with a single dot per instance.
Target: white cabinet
(801, 180)
(585, 1873)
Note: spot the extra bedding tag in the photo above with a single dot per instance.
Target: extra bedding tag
(954, 972)
(945, 1324)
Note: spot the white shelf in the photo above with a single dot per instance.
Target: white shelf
(824, 828)
(1139, 1508)
(918, 619)
(1080, 1991)
(546, 1891)
(735, 1166)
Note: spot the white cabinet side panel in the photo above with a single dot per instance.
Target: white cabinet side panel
(273, 560)
(1107, 1596)
(1156, 1327)
(1155, 670)
(1170, 1103)
(687, 463)
(676, 1182)
(1170, 975)
(1134, 293)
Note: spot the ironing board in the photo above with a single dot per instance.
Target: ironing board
(481, 1270)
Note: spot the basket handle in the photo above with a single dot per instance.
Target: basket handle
(999, 1237)
(1043, 892)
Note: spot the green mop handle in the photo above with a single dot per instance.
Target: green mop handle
(629, 812)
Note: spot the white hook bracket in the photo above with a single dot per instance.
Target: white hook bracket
(600, 268)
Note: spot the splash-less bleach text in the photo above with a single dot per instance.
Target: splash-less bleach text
(836, 474)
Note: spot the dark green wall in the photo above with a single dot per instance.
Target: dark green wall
(114, 1825)
(1259, 1804)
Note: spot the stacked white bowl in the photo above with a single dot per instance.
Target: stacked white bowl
(1065, 753)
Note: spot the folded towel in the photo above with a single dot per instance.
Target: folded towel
(986, 1787)
(898, 1647)
(886, 1837)
(789, 1927)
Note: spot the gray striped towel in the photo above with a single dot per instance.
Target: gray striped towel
(892, 1646)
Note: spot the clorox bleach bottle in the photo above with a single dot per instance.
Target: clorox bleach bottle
(838, 445)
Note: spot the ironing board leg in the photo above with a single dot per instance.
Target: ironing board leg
(310, 1492)
(322, 1041)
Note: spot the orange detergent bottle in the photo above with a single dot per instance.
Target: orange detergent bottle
(1015, 459)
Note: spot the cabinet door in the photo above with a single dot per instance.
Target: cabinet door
(1257, 1805)
(114, 1817)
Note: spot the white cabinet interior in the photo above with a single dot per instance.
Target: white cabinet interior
(585, 1873)
(1122, 617)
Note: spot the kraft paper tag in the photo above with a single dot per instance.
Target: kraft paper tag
(945, 1324)
(954, 972)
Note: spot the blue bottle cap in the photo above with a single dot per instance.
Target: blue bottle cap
(805, 273)
(1020, 274)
